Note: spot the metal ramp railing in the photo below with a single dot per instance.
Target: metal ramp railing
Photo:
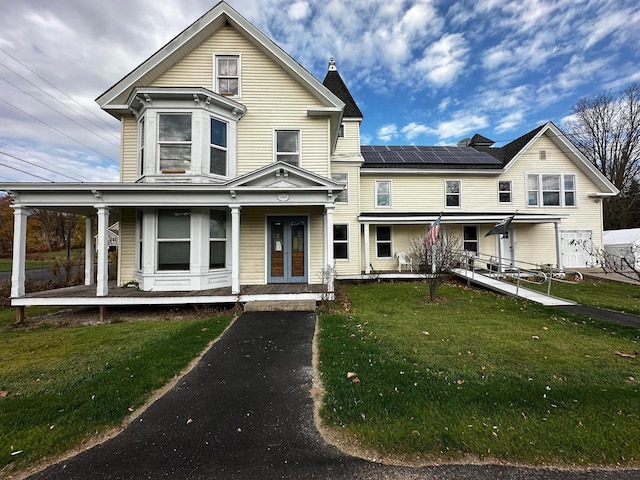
(508, 277)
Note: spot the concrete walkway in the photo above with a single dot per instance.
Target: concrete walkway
(245, 412)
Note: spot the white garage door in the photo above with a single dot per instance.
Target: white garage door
(576, 248)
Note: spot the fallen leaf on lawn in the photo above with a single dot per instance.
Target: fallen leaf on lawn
(4, 393)
(204, 329)
(356, 380)
(351, 374)
(626, 355)
(189, 421)
(535, 337)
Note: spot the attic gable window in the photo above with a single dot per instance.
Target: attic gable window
(227, 75)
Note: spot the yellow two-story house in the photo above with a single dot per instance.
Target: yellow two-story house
(241, 171)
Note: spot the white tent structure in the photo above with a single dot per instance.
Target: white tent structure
(622, 247)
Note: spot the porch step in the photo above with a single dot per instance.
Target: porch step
(280, 306)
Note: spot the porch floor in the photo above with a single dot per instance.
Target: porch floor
(85, 295)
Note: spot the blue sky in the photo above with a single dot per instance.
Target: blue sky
(423, 72)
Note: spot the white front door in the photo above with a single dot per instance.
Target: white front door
(507, 248)
(576, 248)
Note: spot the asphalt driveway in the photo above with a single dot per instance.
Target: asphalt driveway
(245, 412)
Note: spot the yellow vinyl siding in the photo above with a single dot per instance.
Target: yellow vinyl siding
(129, 150)
(273, 100)
(347, 213)
(127, 246)
(350, 143)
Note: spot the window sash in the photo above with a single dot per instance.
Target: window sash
(383, 242)
(343, 196)
(341, 242)
(504, 191)
(288, 146)
(174, 141)
(218, 148)
(470, 238)
(452, 196)
(551, 190)
(228, 77)
(383, 194)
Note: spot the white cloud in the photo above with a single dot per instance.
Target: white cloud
(299, 10)
(387, 132)
(413, 130)
(460, 125)
(444, 60)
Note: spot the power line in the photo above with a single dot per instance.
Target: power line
(53, 86)
(61, 113)
(28, 173)
(59, 131)
(40, 166)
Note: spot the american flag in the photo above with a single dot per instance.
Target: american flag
(434, 231)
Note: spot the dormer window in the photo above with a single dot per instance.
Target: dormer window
(228, 75)
(174, 142)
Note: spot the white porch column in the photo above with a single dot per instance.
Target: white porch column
(235, 249)
(89, 247)
(102, 289)
(556, 226)
(20, 216)
(367, 258)
(328, 246)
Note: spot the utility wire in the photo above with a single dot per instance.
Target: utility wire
(31, 154)
(28, 173)
(63, 114)
(57, 130)
(53, 86)
(40, 166)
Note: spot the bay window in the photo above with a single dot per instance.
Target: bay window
(218, 148)
(174, 239)
(217, 239)
(174, 142)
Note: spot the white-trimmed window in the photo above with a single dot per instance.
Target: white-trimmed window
(551, 190)
(174, 239)
(217, 239)
(141, 139)
(383, 193)
(470, 238)
(218, 147)
(341, 177)
(227, 75)
(504, 191)
(174, 142)
(341, 131)
(341, 241)
(383, 242)
(452, 193)
(288, 146)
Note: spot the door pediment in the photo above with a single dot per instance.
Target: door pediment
(282, 175)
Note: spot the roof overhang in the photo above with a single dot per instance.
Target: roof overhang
(462, 218)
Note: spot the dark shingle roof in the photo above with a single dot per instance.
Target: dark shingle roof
(427, 157)
(334, 82)
(506, 153)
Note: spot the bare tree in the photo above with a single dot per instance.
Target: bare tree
(433, 260)
(624, 261)
(606, 129)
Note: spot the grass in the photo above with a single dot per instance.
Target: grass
(618, 296)
(66, 384)
(481, 375)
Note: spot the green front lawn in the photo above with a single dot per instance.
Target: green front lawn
(62, 385)
(478, 375)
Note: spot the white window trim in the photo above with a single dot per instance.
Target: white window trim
(562, 190)
(142, 153)
(346, 190)
(459, 194)
(346, 242)
(510, 202)
(275, 143)
(159, 240)
(376, 194)
(390, 241)
(215, 72)
(192, 143)
(227, 149)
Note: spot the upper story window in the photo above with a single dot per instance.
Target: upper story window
(288, 146)
(383, 193)
(341, 131)
(551, 190)
(218, 148)
(228, 75)
(340, 177)
(504, 191)
(452, 193)
(141, 140)
(174, 142)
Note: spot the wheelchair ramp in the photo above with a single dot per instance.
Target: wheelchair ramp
(510, 289)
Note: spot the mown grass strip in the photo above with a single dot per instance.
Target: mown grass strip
(479, 374)
(65, 384)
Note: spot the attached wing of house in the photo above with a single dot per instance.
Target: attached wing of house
(239, 169)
